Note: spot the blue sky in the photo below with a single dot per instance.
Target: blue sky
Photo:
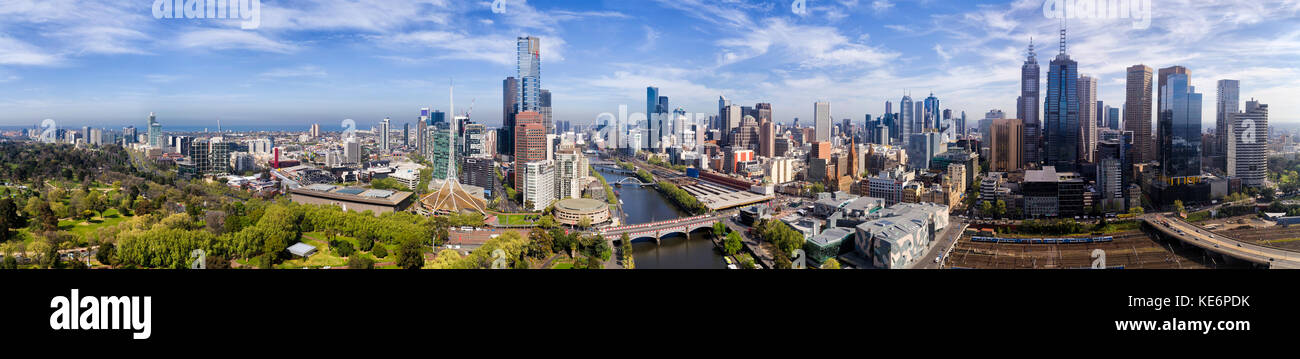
(110, 63)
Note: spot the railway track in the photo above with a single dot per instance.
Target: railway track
(1131, 250)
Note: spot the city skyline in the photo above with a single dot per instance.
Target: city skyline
(303, 66)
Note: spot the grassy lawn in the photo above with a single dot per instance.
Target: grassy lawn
(563, 265)
(517, 219)
(1198, 217)
(82, 228)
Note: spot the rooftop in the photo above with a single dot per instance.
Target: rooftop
(580, 205)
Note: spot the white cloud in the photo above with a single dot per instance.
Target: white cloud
(308, 71)
(212, 39)
(17, 52)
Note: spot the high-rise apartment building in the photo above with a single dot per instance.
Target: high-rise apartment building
(384, 128)
(1248, 145)
(155, 132)
(1228, 104)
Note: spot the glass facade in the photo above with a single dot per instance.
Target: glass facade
(1061, 112)
(1180, 129)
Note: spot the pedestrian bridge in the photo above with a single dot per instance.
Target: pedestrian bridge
(632, 181)
(658, 230)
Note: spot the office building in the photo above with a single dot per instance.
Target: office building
(1061, 112)
(822, 121)
(1087, 118)
(1179, 129)
(1007, 137)
(510, 98)
(1137, 112)
(1027, 105)
(530, 142)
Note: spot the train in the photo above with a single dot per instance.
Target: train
(1106, 239)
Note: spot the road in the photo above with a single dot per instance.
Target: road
(1276, 258)
(942, 246)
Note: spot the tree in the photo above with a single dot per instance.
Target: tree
(1178, 206)
(379, 251)
(8, 218)
(342, 248)
(719, 229)
(585, 222)
(986, 208)
(360, 262)
(746, 261)
(1136, 211)
(733, 243)
(410, 255)
(48, 221)
(105, 254)
(831, 264)
(1000, 208)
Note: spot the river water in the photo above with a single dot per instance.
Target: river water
(645, 205)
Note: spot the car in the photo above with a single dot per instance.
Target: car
(938, 259)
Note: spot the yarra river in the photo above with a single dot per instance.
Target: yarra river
(645, 205)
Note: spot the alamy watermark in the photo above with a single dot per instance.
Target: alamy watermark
(1138, 10)
(248, 10)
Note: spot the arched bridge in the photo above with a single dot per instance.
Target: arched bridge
(658, 230)
(632, 181)
(1171, 227)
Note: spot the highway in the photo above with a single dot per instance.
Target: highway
(1275, 258)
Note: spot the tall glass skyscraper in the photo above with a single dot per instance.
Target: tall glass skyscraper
(155, 132)
(1061, 112)
(528, 98)
(932, 112)
(1180, 130)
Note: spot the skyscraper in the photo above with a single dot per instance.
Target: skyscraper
(530, 142)
(1087, 118)
(652, 118)
(1062, 112)
(1027, 105)
(1179, 128)
(1227, 105)
(383, 134)
(529, 60)
(932, 112)
(1248, 144)
(155, 132)
(906, 118)
(510, 101)
(1162, 77)
(544, 106)
(1137, 112)
(822, 121)
(1006, 136)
